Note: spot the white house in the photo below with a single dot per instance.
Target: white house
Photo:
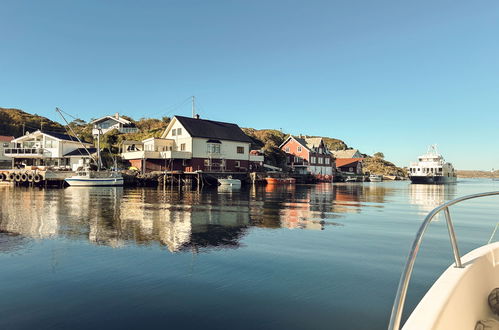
(44, 148)
(108, 123)
(190, 144)
(5, 143)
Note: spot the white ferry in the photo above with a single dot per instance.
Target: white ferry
(432, 168)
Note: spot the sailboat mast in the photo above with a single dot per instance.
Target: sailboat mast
(98, 150)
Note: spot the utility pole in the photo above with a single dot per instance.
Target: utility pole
(193, 107)
(41, 125)
(24, 129)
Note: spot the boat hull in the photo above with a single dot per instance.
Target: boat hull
(432, 179)
(458, 299)
(229, 182)
(93, 182)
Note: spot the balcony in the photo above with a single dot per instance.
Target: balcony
(23, 152)
(156, 155)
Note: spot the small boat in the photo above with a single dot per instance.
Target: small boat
(432, 168)
(465, 296)
(375, 178)
(229, 181)
(350, 179)
(280, 180)
(89, 178)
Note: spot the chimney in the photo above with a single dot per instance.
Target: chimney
(117, 115)
(197, 116)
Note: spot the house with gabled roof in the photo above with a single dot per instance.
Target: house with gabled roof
(308, 155)
(108, 123)
(44, 148)
(191, 144)
(350, 165)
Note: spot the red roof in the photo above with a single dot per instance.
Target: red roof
(4, 138)
(347, 161)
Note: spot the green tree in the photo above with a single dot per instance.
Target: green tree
(379, 155)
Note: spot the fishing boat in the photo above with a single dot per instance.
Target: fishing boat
(350, 179)
(465, 296)
(375, 178)
(229, 181)
(432, 168)
(92, 175)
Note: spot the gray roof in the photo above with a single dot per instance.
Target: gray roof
(81, 152)
(213, 129)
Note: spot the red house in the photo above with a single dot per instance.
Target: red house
(308, 155)
(349, 165)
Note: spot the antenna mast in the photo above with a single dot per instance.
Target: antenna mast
(193, 107)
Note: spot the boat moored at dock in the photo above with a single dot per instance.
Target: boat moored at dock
(229, 181)
(432, 168)
(88, 178)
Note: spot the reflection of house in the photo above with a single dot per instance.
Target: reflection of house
(308, 155)
(349, 165)
(5, 142)
(49, 149)
(191, 144)
(108, 123)
(349, 153)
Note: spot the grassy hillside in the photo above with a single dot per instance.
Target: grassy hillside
(12, 120)
(477, 174)
(376, 165)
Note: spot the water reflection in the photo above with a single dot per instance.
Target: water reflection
(179, 220)
(428, 196)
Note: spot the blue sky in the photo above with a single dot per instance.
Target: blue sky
(390, 76)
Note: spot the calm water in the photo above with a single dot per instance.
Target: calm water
(305, 257)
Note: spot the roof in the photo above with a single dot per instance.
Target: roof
(59, 136)
(347, 161)
(349, 153)
(81, 152)
(313, 142)
(115, 118)
(4, 138)
(213, 129)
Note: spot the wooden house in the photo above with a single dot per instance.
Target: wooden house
(308, 155)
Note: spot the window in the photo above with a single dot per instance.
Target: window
(213, 148)
(240, 150)
(182, 147)
(174, 132)
(287, 149)
(206, 162)
(238, 163)
(328, 161)
(296, 159)
(299, 149)
(184, 162)
(320, 150)
(6, 145)
(179, 131)
(321, 160)
(312, 160)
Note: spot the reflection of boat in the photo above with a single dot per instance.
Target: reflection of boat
(229, 181)
(465, 296)
(375, 178)
(432, 168)
(428, 196)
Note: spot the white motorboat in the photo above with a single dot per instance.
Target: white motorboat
(375, 178)
(229, 181)
(350, 179)
(89, 178)
(465, 296)
(432, 168)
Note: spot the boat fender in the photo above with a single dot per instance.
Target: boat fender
(24, 177)
(12, 176)
(30, 177)
(494, 301)
(489, 324)
(37, 178)
(2, 177)
(18, 177)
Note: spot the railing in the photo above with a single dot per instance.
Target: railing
(398, 305)
(23, 151)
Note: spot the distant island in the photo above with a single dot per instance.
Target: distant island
(477, 174)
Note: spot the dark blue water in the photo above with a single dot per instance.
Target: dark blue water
(305, 257)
